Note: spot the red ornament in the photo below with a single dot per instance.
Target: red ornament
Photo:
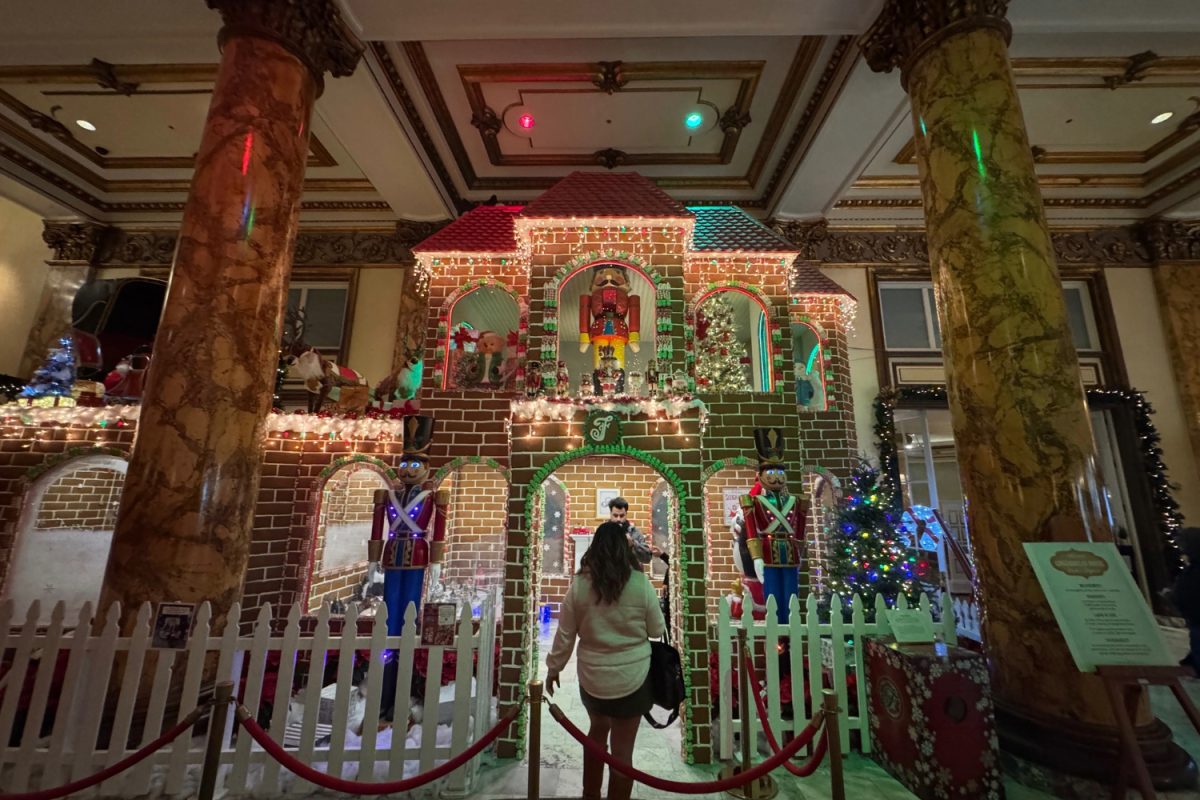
(462, 337)
(513, 338)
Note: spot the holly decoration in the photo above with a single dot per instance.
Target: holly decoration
(867, 558)
(719, 352)
(56, 377)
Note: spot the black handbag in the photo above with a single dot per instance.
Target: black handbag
(666, 681)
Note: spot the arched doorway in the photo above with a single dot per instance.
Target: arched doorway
(339, 554)
(64, 535)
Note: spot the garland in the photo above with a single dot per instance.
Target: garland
(1161, 489)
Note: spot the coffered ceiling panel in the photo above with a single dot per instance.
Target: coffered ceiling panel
(707, 118)
(1115, 134)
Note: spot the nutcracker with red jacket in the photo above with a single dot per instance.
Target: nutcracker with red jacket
(775, 521)
(408, 530)
(609, 315)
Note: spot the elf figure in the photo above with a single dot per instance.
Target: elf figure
(775, 523)
(609, 315)
(415, 519)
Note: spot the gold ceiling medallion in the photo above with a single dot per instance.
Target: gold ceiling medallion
(609, 78)
(610, 158)
(106, 77)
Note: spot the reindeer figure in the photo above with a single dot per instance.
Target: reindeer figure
(322, 378)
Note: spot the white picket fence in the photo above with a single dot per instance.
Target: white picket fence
(834, 645)
(70, 751)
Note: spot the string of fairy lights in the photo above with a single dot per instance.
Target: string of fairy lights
(1168, 520)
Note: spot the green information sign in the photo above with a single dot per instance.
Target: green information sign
(1098, 607)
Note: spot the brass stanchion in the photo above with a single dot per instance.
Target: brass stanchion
(765, 787)
(829, 704)
(222, 695)
(535, 739)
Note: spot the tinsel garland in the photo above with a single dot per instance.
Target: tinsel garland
(1166, 509)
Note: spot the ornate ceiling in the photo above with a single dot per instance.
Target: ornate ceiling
(769, 106)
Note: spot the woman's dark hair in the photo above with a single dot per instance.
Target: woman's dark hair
(609, 561)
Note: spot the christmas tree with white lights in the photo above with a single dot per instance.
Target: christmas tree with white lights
(866, 557)
(719, 352)
(56, 377)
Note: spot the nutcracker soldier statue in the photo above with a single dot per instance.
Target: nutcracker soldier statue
(415, 520)
(609, 316)
(775, 523)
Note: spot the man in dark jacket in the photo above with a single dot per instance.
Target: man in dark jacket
(1186, 593)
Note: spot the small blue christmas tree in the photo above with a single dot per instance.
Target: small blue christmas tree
(866, 556)
(56, 377)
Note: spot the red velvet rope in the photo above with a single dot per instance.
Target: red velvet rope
(743, 778)
(810, 766)
(117, 768)
(302, 770)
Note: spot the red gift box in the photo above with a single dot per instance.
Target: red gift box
(932, 723)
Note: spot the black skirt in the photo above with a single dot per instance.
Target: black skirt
(631, 705)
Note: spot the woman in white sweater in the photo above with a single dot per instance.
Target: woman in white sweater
(613, 609)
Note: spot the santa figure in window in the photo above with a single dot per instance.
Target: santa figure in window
(752, 595)
(775, 521)
(128, 378)
(414, 520)
(609, 315)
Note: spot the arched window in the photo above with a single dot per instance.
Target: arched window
(733, 343)
(65, 535)
(810, 367)
(480, 351)
(660, 523)
(339, 565)
(554, 521)
(575, 307)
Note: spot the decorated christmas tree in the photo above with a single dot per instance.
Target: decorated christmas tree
(866, 556)
(56, 377)
(720, 355)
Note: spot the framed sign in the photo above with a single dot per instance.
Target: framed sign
(603, 497)
(173, 625)
(1099, 609)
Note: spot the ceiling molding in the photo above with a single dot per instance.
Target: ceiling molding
(611, 77)
(817, 242)
(827, 85)
(122, 247)
(413, 117)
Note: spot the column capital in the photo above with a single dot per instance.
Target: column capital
(905, 29)
(74, 243)
(312, 30)
(1172, 239)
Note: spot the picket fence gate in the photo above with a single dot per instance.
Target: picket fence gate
(71, 751)
(837, 642)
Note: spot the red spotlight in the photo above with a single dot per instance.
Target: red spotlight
(526, 121)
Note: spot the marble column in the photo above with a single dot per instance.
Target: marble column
(76, 246)
(1176, 249)
(1020, 419)
(183, 529)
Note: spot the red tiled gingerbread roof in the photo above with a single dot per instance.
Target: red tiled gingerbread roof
(483, 229)
(730, 229)
(807, 279)
(605, 194)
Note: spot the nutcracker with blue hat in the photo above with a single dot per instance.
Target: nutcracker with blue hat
(408, 530)
(775, 522)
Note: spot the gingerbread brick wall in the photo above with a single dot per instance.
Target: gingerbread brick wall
(475, 525)
(347, 506)
(84, 499)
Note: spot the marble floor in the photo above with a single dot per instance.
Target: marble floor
(659, 752)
